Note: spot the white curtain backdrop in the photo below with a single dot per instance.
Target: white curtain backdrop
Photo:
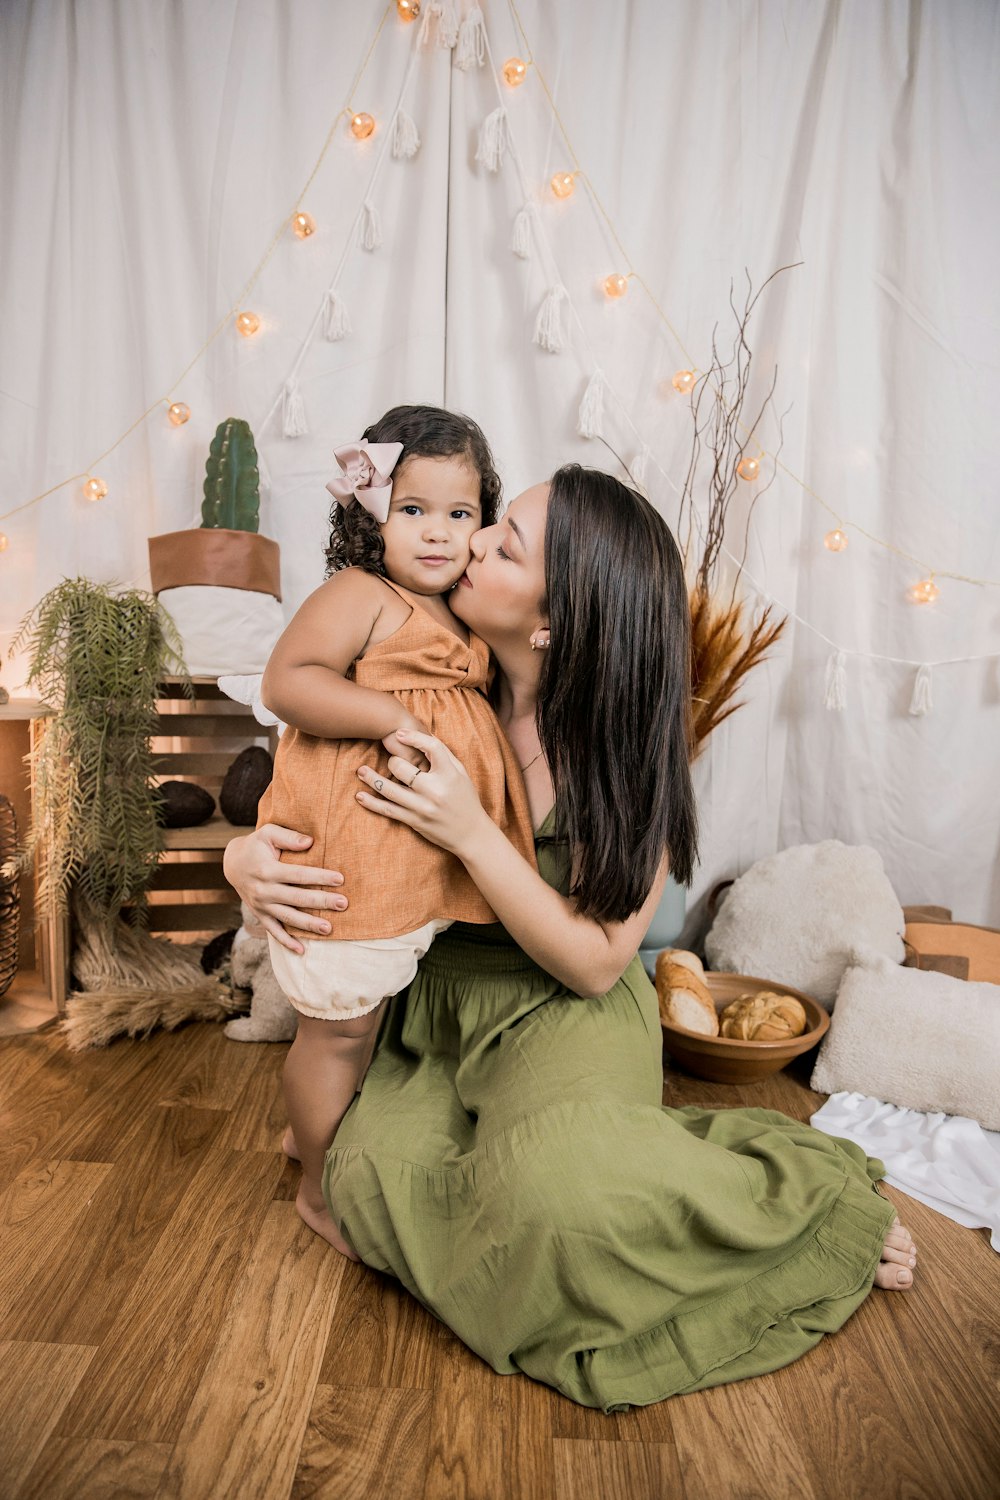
(150, 152)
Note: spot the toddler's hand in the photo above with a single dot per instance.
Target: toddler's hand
(406, 752)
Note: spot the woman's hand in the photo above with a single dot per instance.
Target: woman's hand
(441, 803)
(281, 893)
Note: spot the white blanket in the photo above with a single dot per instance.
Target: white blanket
(946, 1161)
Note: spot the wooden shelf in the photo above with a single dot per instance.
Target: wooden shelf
(215, 834)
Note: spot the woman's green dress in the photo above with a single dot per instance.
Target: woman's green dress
(510, 1161)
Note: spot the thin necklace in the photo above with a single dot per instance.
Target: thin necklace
(532, 761)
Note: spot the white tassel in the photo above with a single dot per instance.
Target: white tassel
(371, 228)
(493, 140)
(921, 702)
(405, 140)
(293, 413)
(448, 24)
(592, 407)
(520, 240)
(836, 682)
(336, 321)
(549, 331)
(432, 11)
(471, 40)
(637, 468)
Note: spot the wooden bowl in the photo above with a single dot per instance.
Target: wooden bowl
(724, 1059)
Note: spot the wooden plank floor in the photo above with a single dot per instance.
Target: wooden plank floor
(168, 1327)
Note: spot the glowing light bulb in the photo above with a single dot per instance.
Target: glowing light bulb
(835, 541)
(514, 72)
(924, 592)
(683, 381)
(408, 10)
(95, 489)
(304, 224)
(248, 324)
(615, 285)
(178, 413)
(748, 468)
(3, 542)
(563, 184)
(362, 126)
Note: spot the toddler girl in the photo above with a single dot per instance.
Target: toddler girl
(376, 649)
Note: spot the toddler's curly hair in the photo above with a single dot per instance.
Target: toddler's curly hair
(425, 432)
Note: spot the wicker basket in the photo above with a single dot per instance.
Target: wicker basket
(10, 896)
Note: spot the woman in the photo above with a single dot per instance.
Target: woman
(508, 1158)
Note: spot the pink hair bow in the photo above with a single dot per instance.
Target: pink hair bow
(366, 467)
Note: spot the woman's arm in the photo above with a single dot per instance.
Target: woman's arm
(586, 954)
(305, 680)
(281, 893)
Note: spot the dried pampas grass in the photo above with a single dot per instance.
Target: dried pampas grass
(132, 983)
(723, 652)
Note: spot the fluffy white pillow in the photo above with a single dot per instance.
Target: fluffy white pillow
(915, 1038)
(796, 917)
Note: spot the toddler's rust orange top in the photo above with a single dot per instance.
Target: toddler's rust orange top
(394, 879)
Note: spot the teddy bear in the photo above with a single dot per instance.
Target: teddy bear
(272, 1017)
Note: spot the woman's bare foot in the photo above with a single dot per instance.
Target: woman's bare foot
(899, 1258)
(288, 1145)
(317, 1216)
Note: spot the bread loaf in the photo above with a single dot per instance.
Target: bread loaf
(765, 1017)
(684, 998)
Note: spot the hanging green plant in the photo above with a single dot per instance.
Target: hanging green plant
(96, 657)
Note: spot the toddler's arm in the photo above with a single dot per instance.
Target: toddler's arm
(305, 681)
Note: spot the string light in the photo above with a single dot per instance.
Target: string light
(248, 324)
(563, 184)
(408, 10)
(683, 381)
(514, 72)
(304, 224)
(748, 468)
(95, 489)
(835, 541)
(178, 413)
(362, 126)
(3, 542)
(615, 285)
(924, 592)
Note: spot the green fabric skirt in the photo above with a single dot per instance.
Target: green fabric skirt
(510, 1162)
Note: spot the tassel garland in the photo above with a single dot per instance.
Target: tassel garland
(592, 407)
(445, 12)
(921, 702)
(471, 40)
(493, 140)
(371, 228)
(293, 412)
(836, 682)
(637, 468)
(520, 240)
(405, 140)
(549, 331)
(336, 321)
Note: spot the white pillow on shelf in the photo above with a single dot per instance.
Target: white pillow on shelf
(797, 916)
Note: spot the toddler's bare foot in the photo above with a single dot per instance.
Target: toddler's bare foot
(288, 1145)
(899, 1258)
(317, 1216)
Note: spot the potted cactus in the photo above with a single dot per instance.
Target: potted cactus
(221, 582)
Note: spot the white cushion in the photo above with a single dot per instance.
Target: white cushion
(224, 630)
(915, 1038)
(796, 917)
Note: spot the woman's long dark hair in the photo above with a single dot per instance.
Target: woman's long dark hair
(425, 432)
(614, 699)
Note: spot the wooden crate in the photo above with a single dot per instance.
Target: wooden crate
(199, 740)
